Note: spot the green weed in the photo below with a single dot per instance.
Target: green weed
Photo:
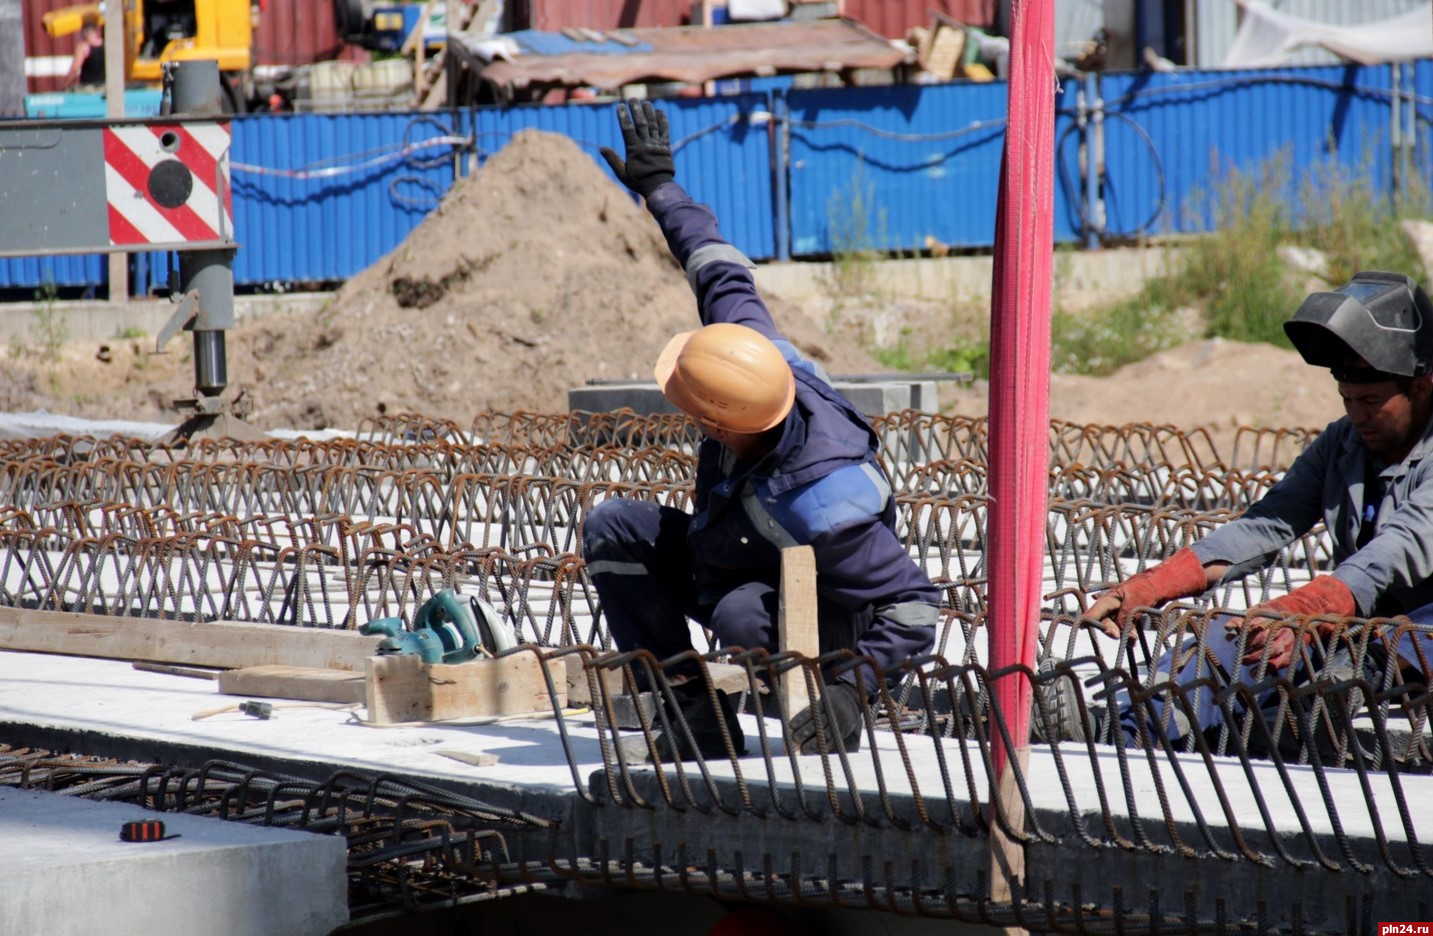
(856, 224)
(1235, 280)
(960, 356)
(49, 331)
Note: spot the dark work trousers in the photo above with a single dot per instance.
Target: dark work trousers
(1222, 645)
(640, 562)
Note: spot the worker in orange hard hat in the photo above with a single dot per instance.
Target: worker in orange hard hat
(787, 460)
(730, 378)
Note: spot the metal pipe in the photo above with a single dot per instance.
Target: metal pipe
(781, 165)
(1395, 132)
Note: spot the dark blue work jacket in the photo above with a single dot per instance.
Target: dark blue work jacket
(821, 485)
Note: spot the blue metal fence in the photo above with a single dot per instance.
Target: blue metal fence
(319, 197)
(1171, 137)
(889, 167)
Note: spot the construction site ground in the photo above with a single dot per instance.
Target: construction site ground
(538, 273)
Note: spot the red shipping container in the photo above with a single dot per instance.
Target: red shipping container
(893, 18)
(556, 15)
(296, 32)
(46, 59)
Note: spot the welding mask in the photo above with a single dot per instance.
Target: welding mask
(1384, 318)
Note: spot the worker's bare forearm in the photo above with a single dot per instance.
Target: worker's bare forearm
(1214, 571)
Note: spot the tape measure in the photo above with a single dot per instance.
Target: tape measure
(145, 830)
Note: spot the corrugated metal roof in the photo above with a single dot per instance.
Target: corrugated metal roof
(694, 54)
(536, 42)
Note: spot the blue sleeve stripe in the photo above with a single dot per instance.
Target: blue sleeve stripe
(856, 492)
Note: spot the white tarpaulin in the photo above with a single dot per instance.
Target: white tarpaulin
(751, 10)
(1267, 37)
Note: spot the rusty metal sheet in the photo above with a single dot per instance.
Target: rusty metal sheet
(693, 55)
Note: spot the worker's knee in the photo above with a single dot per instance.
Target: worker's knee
(746, 617)
(614, 526)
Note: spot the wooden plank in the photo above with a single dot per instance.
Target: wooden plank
(727, 676)
(226, 644)
(579, 685)
(168, 669)
(293, 682)
(1007, 854)
(797, 625)
(402, 688)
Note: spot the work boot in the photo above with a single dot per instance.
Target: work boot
(703, 722)
(1055, 708)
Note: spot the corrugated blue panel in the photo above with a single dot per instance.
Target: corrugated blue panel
(319, 197)
(722, 148)
(923, 161)
(36, 272)
(1423, 89)
(1171, 137)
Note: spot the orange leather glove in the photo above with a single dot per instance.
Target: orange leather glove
(1179, 576)
(1324, 595)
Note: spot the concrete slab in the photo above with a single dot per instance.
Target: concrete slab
(68, 874)
(871, 397)
(872, 814)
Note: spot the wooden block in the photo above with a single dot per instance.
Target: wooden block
(727, 676)
(294, 682)
(225, 644)
(579, 686)
(944, 51)
(797, 624)
(403, 688)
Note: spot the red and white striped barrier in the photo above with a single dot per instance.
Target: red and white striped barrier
(168, 184)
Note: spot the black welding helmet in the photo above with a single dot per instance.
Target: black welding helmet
(1384, 318)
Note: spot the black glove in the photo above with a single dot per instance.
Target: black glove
(649, 148)
(842, 720)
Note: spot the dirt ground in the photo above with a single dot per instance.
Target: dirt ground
(537, 274)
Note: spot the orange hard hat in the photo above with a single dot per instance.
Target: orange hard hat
(728, 376)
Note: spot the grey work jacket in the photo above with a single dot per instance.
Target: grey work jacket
(1393, 572)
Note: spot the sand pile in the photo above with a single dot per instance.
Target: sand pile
(536, 274)
(1210, 384)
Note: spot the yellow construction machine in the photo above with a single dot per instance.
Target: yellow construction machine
(161, 31)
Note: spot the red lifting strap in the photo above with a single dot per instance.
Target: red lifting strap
(1020, 360)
